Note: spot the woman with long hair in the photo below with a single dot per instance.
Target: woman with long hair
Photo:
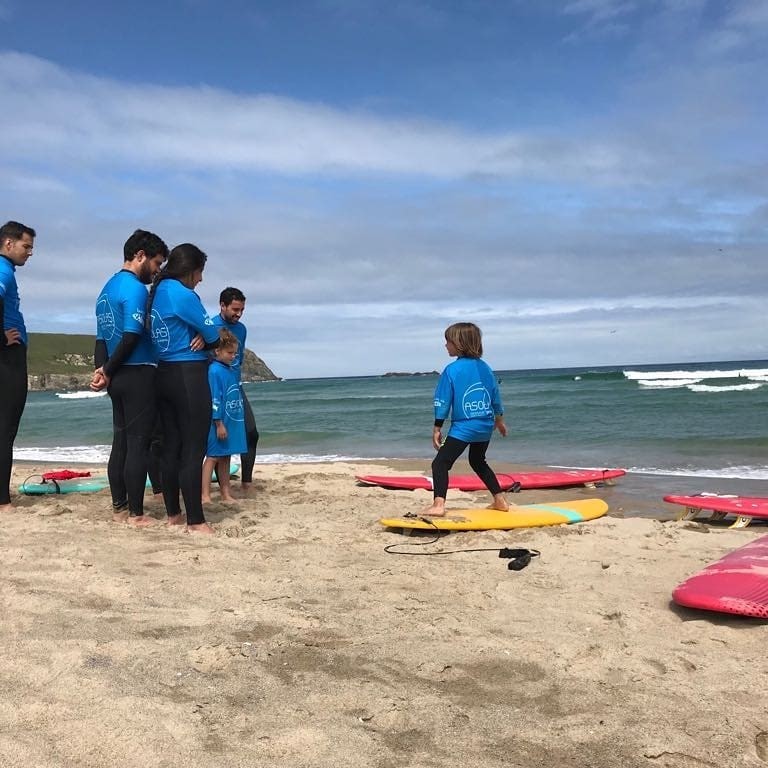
(182, 332)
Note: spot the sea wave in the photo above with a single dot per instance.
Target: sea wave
(666, 383)
(99, 454)
(80, 395)
(734, 473)
(733, 388)
(735, 373)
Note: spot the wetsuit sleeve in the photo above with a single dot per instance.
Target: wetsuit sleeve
(100, 354)
(127, 344)
(443, 398)
(3, 340)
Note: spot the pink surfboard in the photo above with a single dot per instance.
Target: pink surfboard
(744, 507)
(737, 583)
(527, 480)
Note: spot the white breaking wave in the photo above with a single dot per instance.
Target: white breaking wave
(99, 454)
(69, 454)
(736, 373)
(735, 473)
(666, 383)
(733, 388)
(79, 395)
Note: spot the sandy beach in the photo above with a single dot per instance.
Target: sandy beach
(292, 638)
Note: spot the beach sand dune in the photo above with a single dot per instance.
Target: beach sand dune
(293, 639)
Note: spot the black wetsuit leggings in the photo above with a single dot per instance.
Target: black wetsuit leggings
(184, 400)
(252, 438)
(446, 457)
(132, 390)
(13, 380)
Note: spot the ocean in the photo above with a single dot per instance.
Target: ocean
(691, 427)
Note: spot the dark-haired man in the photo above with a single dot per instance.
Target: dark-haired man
(16, 243)
(126, 366)
(232, 306)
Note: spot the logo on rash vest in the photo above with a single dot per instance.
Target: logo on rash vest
(105, 317)
(234, 404)
(476, 401)
(161, 336)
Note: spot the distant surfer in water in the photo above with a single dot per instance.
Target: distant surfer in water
(468, 391)
(16, 243)
(126, 366)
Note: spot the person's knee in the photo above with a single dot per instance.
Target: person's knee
(478, 463)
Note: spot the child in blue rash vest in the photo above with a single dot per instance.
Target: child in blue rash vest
(468, 391)
(227, 433)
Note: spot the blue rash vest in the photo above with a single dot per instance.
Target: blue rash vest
(240, 332)
(120, 309)
(9, 293)
(468, 391)
(227, 403)
(178, 316)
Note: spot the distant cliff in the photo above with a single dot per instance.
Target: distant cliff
(59, 361)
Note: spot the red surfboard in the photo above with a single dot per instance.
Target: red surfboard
(737, 583)
(744, 507)
(528, 480)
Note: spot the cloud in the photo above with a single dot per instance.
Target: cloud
(105, 122)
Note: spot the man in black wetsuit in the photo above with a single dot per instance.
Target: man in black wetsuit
(16, 243)
(126, 364)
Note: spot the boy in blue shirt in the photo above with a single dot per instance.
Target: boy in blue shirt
(227, 433)
(468, 391)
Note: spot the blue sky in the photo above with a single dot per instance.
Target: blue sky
(587, 180)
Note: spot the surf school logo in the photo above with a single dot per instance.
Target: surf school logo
(138, 316)
(234, 404)
(161, 336)
(105, 317)
(476, 401)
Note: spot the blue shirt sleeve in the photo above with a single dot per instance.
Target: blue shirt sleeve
(443, 395)
(218, 392)
(191, 310)
(134, 301)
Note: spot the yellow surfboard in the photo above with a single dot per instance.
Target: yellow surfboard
(527, 516)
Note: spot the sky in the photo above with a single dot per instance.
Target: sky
(586, 180)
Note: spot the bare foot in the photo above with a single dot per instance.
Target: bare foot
(201, 528)
(120, 517)
(6, 507)
(176, 519)
(141, 521)
(434, 511)
(206, 499)
(229, 500)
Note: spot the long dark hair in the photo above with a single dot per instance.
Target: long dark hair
(183, 260)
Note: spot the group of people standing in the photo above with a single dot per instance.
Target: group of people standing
(172, 373)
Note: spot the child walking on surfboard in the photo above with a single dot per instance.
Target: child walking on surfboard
(469, 392)
(227, 433)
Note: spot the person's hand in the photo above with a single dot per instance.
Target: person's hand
(12, 336)
(221, 431)
(99, 381)
(501, 426)
(437, 438)
(197, 343)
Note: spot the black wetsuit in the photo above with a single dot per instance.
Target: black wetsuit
(184, 400)
(13, 380)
